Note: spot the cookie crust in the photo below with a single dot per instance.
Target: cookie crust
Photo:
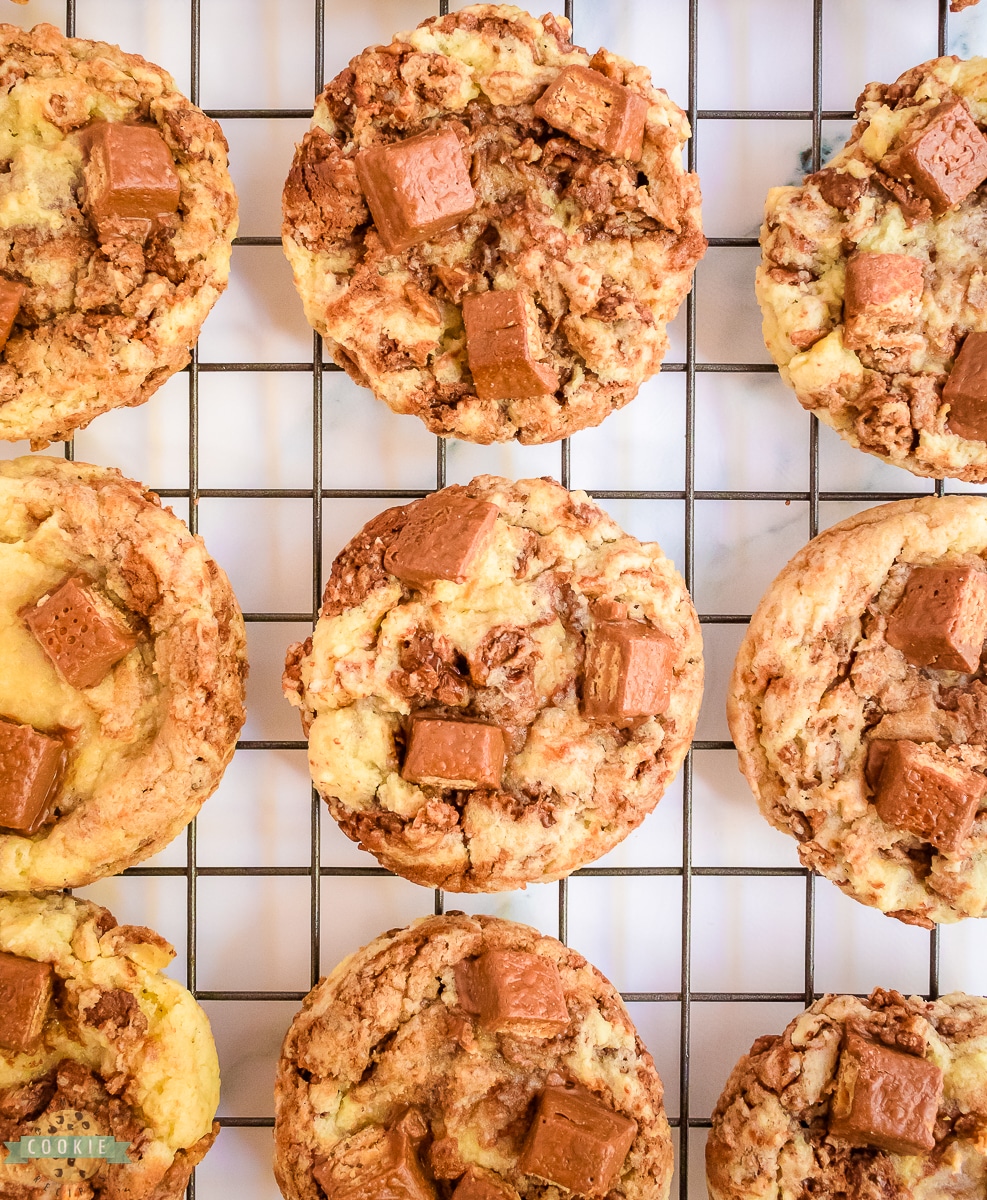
(605, 246)
(385, 1030)
(100, 326)
(122, 1042)
(769, 1134)
(815, 681)
(506, 646)
(883, 391)
(151, 741)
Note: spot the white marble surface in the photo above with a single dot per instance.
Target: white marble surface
(255, 432)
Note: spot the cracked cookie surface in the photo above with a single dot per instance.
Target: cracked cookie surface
(148, 742)
(769, 1137)
(506, 647)
(104, 319)
(389, 1030)
(603, 246)
(877, 375)
(816, 683)
(121, 1042)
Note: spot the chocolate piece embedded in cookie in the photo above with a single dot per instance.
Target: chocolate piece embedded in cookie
(926, 793)
(11, 295)
(946, 160)
(130, 177)
(397, 1172)
(25, 995)
(880, 289)
(498, 348)
(415, 188)
(941, 621)
(82, 634)
(445, 752)
(577, 1142)
(513, 992)
(965, 390)
(31, 764)
(477, 1186)
(885, 1098)
(596, 111)
(441, 537)
(628, 671)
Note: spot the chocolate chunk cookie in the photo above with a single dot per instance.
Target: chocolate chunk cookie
(467, 1058)
(500, 686)
(95, 1041)
(875, 1097)
(872, 283)
(121, 689)
(491, 228)
(118, 217)
(858, 705)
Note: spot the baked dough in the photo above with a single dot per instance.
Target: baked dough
(99, 326)
(769, 1137)
(816, 682)
(122, 1043)
(150, 742)
(604, 246)
(387, 1030)
(507, 646)
(883, 391)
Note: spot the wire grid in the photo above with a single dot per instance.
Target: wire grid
(684, 1121)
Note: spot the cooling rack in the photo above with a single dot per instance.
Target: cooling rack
(703, 917)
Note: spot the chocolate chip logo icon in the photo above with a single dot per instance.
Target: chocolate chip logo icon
(67, 1147)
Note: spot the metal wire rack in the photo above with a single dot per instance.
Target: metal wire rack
(683, 1120)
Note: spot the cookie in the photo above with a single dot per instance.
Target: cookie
(872, 285)
(467, 1057)
(96, 1042)
(490, 228)
(884, 1096)
(500, 686)
(118, 215)
(858, 706)
(121, 693)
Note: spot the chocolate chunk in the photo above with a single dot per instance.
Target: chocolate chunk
(25, 994)
(596, 111)
(445, 752)
(923, 791)
(129, 176)
(514, 992)
(877, 756)
(577, 1142)
(946, 160)
(941, 620)
(889, 285)
(838, 188)
(396, 1175)
(499, 350)
(966, 389)
(416, 188)
(11, 295)
(31, 766)
(486, 1186)
(441, 537)
(82, 634)
(885, 1098)
(628, 671)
